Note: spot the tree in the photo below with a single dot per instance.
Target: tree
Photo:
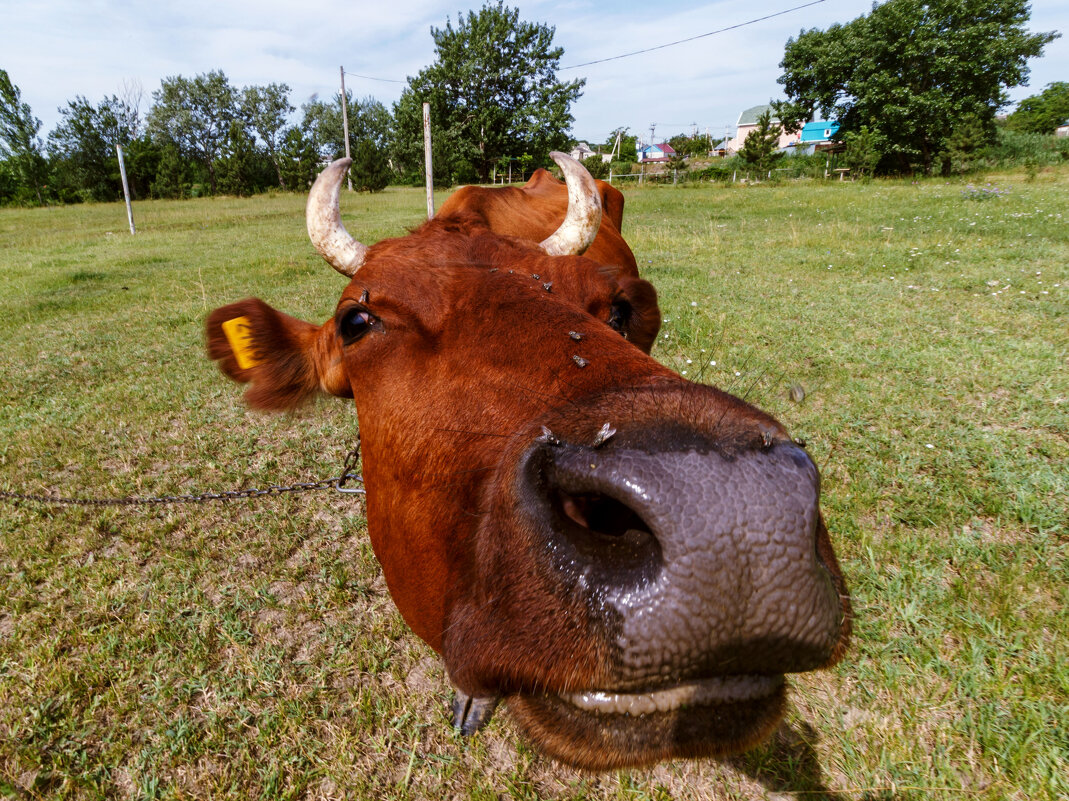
(19, 143)
(82, 146)
(912, 71)
(173, 179)
(265, 110)
(370, 171)
(241, 167)
(686, 145)
(596, 166)
(323, 124)
(1044, 112)
(627, 151)
(195, 115)
(299, 159)
(493, 92)
(863, 151)
(761, 148)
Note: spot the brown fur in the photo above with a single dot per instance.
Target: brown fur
(535, 210)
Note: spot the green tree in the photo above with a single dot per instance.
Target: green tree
(912, 71)
(1044, 112)
(596, 166)
(968, 140)
(265, 110)
(174, 178)
(299, 160)
(627, 150)
(863, 151)
(687, 145)
(20, 145)
(370, 171)
(195, 115)
(242, 168)
(324, 125)
(82, 146)
(493, 91)
(761, 148)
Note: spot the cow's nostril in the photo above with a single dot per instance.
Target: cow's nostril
(608, 539)
(601, 514)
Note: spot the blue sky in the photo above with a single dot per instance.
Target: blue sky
(54, 50)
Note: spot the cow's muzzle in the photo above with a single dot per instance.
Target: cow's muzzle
(693, 566)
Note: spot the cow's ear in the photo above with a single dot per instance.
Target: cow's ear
(645, 315)
(286, 360)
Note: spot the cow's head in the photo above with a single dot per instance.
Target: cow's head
(633, 561)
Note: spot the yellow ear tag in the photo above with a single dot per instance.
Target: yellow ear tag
(239, 334)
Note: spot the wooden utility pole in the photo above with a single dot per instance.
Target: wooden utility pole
(345, 123)
(125, 189)
(428, 162)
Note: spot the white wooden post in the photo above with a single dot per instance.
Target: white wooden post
(125, 189)
(345, 123)
(428, 162)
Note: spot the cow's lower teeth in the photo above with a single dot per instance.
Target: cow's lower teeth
(724, 689)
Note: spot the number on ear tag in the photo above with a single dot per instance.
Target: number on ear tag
(239, 334)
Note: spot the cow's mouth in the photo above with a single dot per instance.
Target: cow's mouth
(609, 730)
(719, 690)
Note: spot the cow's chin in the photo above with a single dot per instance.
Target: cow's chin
(587, 731)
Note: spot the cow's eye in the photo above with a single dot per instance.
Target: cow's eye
(353, 324)
(620, 316)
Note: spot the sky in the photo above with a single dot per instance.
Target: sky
(54, 50)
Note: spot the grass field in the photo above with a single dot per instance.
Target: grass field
(250, 650)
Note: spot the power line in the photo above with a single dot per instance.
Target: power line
(639, 52)
(389, 80)
(692, 38)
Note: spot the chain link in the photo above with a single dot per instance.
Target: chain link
(229, 495)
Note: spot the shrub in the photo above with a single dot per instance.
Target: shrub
(596, 167)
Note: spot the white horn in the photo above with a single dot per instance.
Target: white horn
(325, 228)
(583, 219)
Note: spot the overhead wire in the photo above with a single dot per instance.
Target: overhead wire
(645, 50)
(384, 80)
(692, 38)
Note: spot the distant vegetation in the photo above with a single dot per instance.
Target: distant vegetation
(915, 85)
(927, 78)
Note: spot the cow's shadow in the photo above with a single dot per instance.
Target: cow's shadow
(787, 763)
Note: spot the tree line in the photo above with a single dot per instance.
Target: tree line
(201, 135)
(493, 91)
(915, 86)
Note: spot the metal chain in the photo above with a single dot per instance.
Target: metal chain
(230, 495)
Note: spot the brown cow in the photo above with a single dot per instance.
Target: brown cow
(633, 561)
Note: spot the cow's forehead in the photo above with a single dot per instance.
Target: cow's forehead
(444, 269)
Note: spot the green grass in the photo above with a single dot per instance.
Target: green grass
(252, 650)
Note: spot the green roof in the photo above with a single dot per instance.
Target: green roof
(749, 117)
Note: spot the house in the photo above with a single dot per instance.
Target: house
(816, 136)
(722, 149)
(818, 131)
(656, 153)
(748, 123)
(1062, 130)
(581, 151)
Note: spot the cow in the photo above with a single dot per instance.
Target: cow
(630, 560)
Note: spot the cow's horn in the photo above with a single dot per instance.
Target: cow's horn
(583, 219)
(325, 228)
